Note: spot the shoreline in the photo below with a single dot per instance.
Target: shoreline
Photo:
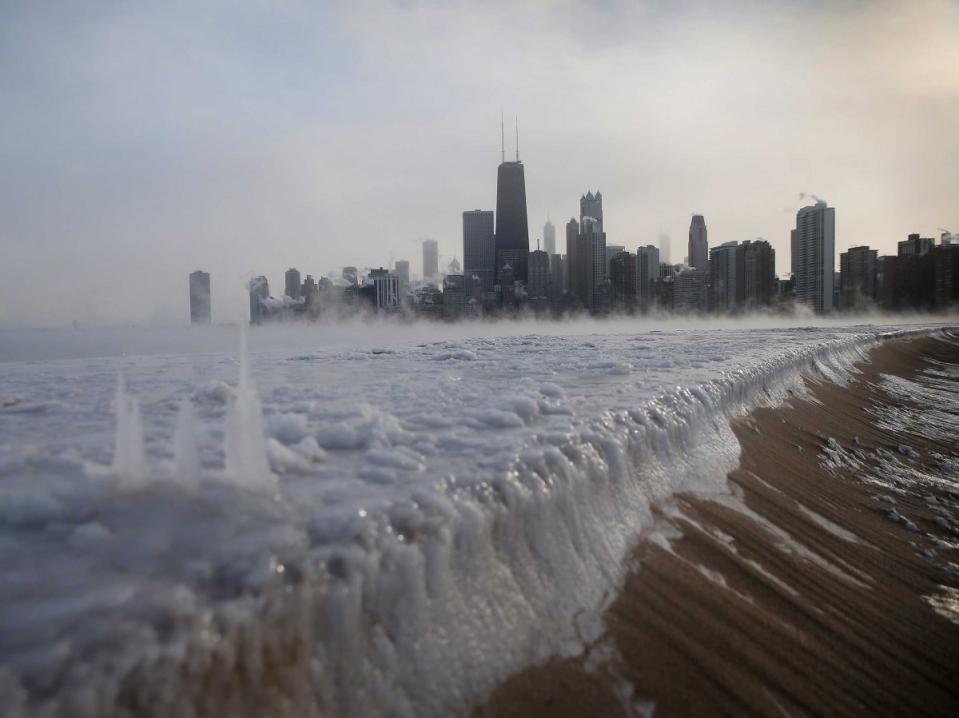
(810, 588)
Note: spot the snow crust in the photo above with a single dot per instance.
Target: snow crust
(352, 531)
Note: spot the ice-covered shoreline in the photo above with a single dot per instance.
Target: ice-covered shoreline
(409, 562)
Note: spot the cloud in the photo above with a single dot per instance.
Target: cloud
(140, 142)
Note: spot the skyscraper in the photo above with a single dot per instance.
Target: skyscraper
(259, 290)
(664, 253)
(759, 273)
(402, 271)
(549, 238)
(512, 230)
(556, 278)
(647, 272)
(292, 283)
(199, 297)
(386, 289)
(915, 245)
(813, 249)
(572, 232)
(690, 291)
(622, 279)
(611, 251)
(479, 250)
(698, 246)
(537, 287)
(588, 265)
(857, 277)
(591, 205)
(726, 269)
(431, 261)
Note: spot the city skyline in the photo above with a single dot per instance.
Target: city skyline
(249, 142)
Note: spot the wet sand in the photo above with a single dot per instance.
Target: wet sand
(814, 601)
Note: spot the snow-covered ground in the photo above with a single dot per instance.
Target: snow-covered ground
(424, 517)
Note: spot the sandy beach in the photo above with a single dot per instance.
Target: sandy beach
(824, 583)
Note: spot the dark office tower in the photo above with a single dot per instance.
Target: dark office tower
(292, 283)
(591, 205)
(431, 261)
(759, 273)
(549, 238)
(199, 297)
(512, 231)
(857, 277)
(259, 290)
(698, 246)
(479, 250)
(537, 286)
(622, 278)
(557, 278)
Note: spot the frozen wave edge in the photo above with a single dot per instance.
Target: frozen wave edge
(435, 600)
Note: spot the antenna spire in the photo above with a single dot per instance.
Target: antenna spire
(502, 137)
(517, 137)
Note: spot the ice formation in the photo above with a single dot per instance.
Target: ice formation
(129, 454)
(442, 514)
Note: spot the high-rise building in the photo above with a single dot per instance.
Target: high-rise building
(611, 251)
(690, 291)
(431, 261)
(199, 297)
(622, 280)
(759, 273)
(946, 275)
(292, 283)
(454, 294)
(647, 271)
(698, 246)
(479, 249)
(386, 289)
(857, 277)
(726, 270)
(549, 238)
(813, 249)
(259, 291)
(591, 205)
(915, 246)
(572, 233)
(556, 278)
(537, 285)
(401, 269)
(588, 266)
(512, 230)
(664, 247)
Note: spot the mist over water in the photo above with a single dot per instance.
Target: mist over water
(42, 344)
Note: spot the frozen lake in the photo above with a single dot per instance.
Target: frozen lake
(405, 519)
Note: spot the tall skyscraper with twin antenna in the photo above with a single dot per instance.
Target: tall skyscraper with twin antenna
(512, 230)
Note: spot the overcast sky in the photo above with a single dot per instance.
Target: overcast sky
(141, 141)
